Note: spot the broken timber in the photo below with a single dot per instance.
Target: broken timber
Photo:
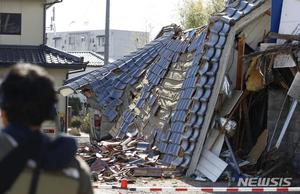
(241, 51)
(243, 22)
(273, 35)
(274, 49)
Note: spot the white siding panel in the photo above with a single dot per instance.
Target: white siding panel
(290, 17)
(32, 21)
(211, 165)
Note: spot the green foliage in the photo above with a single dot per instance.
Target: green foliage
(76, 105)
(194, 13)
(76, 122)
(86, 123)
(215, 6)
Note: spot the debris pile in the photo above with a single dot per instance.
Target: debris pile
(218, 101)
(116, 159)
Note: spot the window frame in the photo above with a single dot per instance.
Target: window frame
(100, 40)
(19, 19)
(72, 40)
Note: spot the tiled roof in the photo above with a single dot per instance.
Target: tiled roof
(194, 57)
(201, 77)
(109, 86)
(179, 141)
(93, 59)
(39, 55)
(191, 43)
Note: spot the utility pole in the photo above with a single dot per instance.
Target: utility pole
(106, 48)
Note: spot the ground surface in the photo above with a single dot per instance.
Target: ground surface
(151, 182)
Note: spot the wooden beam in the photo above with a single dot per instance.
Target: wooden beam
(273, 35)
(274, 49)
(240, 78)
(240, 62)
(224, 61)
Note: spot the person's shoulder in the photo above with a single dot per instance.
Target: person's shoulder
(7, 143)
(79, 164)
(85, 186)
(83, 165)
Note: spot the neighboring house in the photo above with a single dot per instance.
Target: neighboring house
(93, 60)
(22, 35)
(171, 90)
(121, 42)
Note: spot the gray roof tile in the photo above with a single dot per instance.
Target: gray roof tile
(93, 59)
(204, 47)
(40, 55)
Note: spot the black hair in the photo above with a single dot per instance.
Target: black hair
(27, 95)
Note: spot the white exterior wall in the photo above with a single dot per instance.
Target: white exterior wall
(32, 13)
(124, 42)
(290, 17)
(59, 75)
(121, 42)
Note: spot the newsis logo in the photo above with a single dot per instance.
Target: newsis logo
(264, 182)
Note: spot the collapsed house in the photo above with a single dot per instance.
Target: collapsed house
(197, 95)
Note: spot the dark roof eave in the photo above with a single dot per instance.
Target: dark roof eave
(73, 66)
(39, 55)
(64, 66)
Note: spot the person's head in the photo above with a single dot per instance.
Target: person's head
(27, 96)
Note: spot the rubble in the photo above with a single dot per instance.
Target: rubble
(206, 100)
(116, 159)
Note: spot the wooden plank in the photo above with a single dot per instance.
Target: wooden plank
(246, 128)
(230, 103)
(259, 147)
(274, 49)
(214, 141)
(211, 138)
(219, 79)
(217, 146)
(240, 62)
(274, 35)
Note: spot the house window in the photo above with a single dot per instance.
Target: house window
(101, 40)
(57, 41)
(71, 40)
(10, 23)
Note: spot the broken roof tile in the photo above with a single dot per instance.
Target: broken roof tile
(183, 104)
(177, 127)
(202, 48)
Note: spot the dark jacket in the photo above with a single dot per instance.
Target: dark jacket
(60, 171)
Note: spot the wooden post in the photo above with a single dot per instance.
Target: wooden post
(260, 10)
(240, 63)
(239, 82)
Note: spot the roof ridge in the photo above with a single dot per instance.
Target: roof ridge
(60, 52)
